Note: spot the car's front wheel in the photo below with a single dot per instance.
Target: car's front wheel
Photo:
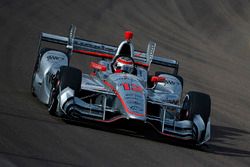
(67, 77)
(197, 104)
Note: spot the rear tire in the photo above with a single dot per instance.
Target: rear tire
(53, 102)
(33, 77)
(67, 77)
(32, 87)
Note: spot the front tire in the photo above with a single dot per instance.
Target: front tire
(67, 77)
(70, 77)
(196, 103)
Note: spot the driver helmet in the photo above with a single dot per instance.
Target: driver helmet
(124, 64)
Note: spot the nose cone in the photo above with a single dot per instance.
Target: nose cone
(130, 93)
(128, 35)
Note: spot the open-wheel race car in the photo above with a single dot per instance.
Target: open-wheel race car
(119, 87)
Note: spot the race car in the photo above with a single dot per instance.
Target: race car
(119, 87)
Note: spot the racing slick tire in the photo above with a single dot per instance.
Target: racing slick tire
(33, 77)
(70, 77)
(196, 103)
(53, 102)
(32, 81)
(66, 77)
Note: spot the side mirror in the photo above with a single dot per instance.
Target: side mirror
(157, 79)
(98, 66)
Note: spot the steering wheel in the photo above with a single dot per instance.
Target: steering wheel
(114, 62)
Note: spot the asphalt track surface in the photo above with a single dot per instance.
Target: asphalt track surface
(210, 39)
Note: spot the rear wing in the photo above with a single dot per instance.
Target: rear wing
(77, 45)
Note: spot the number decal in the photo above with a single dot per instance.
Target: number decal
(125, 86)
(134, 87)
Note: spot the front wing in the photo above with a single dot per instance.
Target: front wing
(75, 108)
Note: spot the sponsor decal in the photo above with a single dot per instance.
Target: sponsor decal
(95, 46)
(171, 82)
(52, 58)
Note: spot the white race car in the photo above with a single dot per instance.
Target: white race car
(119, 88)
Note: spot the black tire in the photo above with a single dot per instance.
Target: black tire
(67, 77)
(157, 73)
(70, 77)
(53, 102)
(32, 87)
(196, 103)
(33, 76)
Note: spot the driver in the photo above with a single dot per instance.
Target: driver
(123, 61)
(123, 64)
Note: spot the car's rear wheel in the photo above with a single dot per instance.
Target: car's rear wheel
(33, 77)
(67, 77)
(53, 102)
(32, 83)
